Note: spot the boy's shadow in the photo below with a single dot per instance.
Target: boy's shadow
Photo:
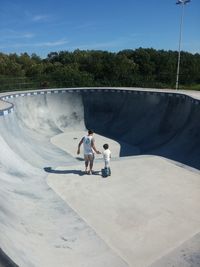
(78, 172)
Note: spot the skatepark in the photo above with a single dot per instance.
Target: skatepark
(146, 214)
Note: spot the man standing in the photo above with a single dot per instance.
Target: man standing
(89, 149)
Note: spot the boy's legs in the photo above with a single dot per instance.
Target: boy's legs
(107, 167)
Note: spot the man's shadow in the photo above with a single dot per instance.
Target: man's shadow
(78, 172)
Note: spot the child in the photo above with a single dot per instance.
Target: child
(106, 156)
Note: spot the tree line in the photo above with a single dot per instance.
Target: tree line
(142, 67)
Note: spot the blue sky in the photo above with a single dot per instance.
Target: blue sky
(47, 26)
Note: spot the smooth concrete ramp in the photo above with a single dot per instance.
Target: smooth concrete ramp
(52, 215)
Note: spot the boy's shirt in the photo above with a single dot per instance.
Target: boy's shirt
(107, 154)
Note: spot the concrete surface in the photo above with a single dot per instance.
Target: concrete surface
(141, 212)
(140, 216)
(186, 255)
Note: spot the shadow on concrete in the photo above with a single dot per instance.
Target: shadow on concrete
(78, 172)
(79, 158)
(50, 170)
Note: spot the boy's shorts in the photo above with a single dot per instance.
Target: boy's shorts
(107, 163)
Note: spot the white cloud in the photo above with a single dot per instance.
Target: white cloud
(37, 18)
(53, 43)
(27, 35)
(39, 44)
(85, 26)
(9, 34)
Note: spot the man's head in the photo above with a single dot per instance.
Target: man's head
(90, 132)
(105, 146)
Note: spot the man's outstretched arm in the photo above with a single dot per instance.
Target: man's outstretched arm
(94, 148)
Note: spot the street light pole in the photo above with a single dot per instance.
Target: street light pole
(182, 3)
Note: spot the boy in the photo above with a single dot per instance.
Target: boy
(106, 156)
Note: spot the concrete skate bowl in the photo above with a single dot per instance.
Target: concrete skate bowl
(33, 220)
